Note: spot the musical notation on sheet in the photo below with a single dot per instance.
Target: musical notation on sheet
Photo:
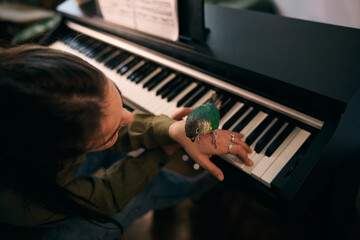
(156, 17)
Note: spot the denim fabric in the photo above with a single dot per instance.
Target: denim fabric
(165, 190)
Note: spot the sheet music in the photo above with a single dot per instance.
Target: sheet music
(156, 17)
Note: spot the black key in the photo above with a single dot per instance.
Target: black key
(67, 39)
(111, 61)
(119, 60)
(245, 121)
(144, 74)
(97, 50)
(235, 117)
(86, 45)
(188, 95)
(157, 79)
(77, 42)
(177, 82)
(197, 97)
(105, 54)
(91, 48)
(258, 130)
(156, 83)
(74, 42)
(226, 106)
(184, 84)
(276, 143)
(264, 140)
(224, 98)
(164, 90)
(116, 60)
(128, 66)
(138, 71)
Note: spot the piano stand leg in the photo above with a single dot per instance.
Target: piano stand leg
(335, 212)
(345, 202)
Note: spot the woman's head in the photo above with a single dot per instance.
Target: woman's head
(51, 103)
(115, 116)
(54, 106)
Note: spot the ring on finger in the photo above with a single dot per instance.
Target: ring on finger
(229, 147)
(232, 137)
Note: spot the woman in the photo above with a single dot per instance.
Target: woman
(55, 109)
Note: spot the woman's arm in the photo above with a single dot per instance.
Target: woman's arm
(145, 131)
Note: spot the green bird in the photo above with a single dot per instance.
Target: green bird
(204, 119)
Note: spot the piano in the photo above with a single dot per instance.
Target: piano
(290, 86)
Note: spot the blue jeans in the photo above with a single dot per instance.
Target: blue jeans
(165, 190)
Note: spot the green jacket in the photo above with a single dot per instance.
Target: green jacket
(111, 192)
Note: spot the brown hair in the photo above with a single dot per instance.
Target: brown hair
(50, 103)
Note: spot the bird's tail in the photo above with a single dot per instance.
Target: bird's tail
(216, 99)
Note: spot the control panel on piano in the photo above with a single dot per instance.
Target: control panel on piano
(149, 85)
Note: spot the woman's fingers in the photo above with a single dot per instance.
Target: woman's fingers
(245, 147)
(238, 146)
(179, 115)
(243, 155)
(205, 162)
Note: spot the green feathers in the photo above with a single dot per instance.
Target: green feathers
(204, 119)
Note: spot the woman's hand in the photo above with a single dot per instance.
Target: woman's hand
(179, 115)
(201, 150)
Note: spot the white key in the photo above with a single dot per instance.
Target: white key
(163, 105)
(233, 160)
(241, 118)
(122, 63)
(285, 157)
(148, 77)
(158, 101)
(205, 97)
(266, 162)
(230, 113)
(258, 157)
(142, 94)
(172, 108)
(253, 124)
(260, 136)
(153, 103)
(191, 97)
(255, 157)
(131, 70)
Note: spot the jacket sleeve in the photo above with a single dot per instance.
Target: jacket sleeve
(145, 131)
(121, 182)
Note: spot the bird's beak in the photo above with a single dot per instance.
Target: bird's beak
(193, 139)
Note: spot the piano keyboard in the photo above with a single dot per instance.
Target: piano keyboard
(275, 132)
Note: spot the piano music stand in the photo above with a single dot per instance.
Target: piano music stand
(191, 20)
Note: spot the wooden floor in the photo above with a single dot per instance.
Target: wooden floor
(244, 219)
(223, 213)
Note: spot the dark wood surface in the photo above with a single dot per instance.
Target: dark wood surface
(226, 213)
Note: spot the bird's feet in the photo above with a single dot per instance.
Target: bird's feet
(213, 136)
